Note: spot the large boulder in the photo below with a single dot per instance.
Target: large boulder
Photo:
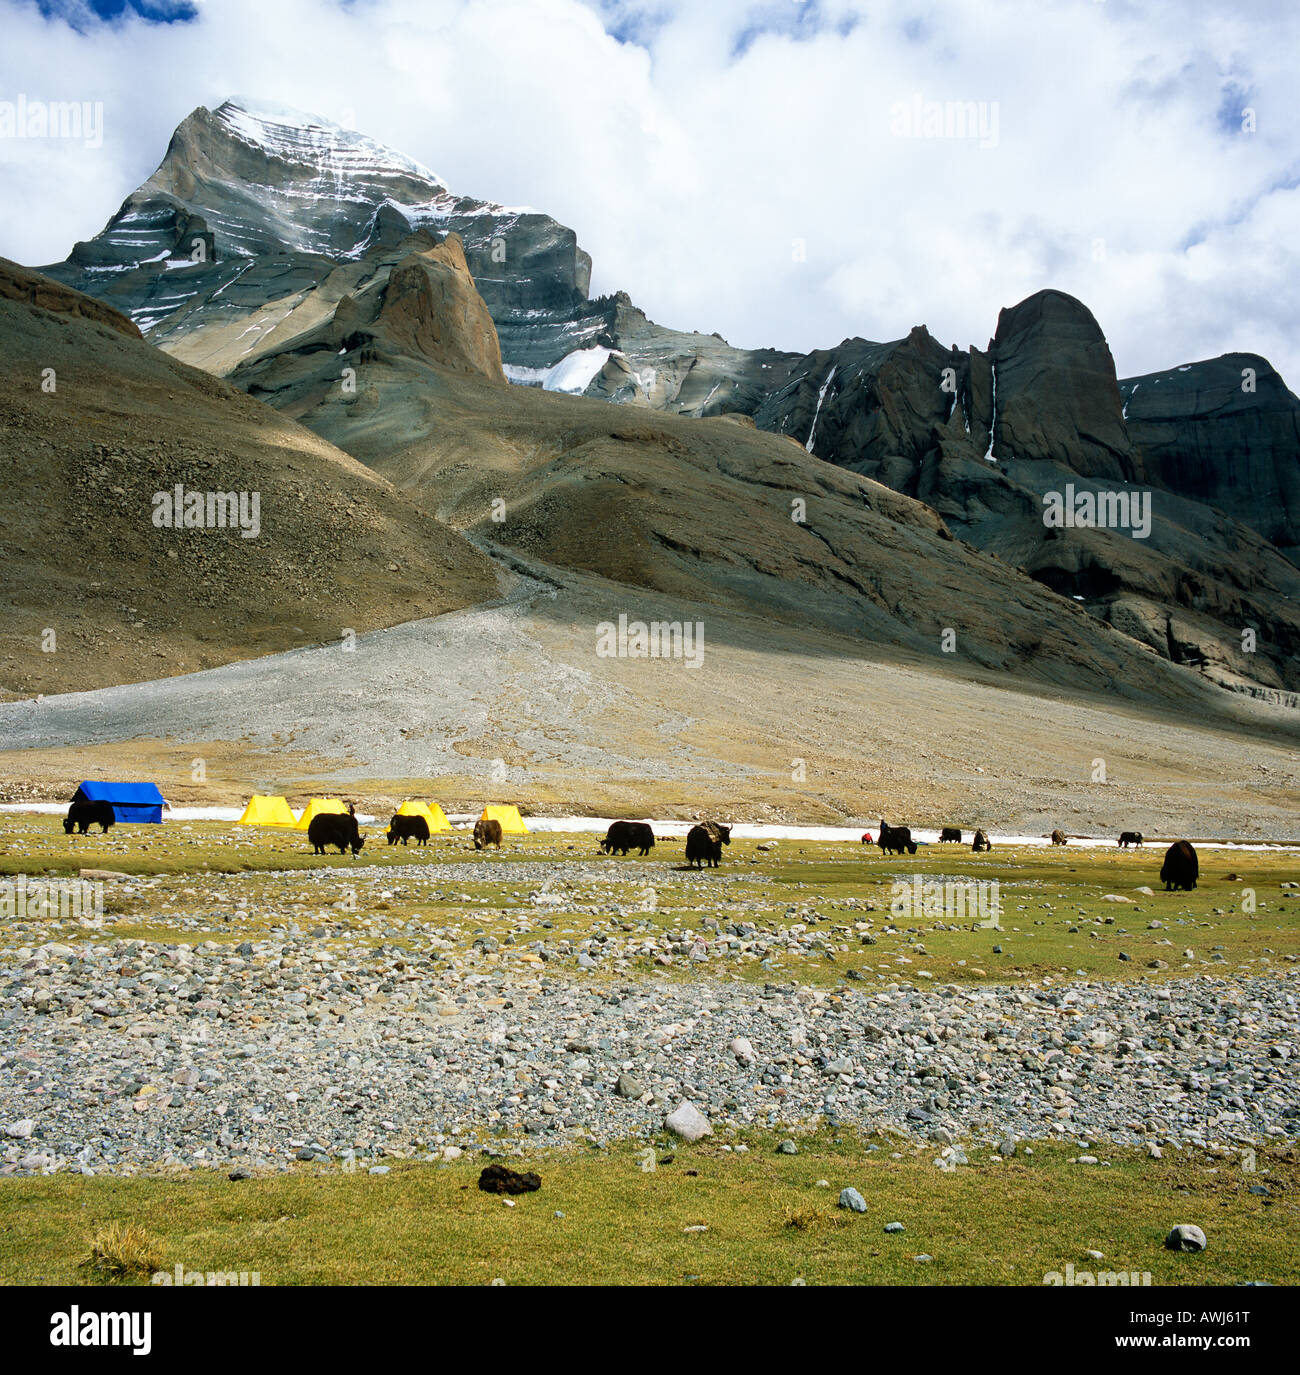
(688, 1122)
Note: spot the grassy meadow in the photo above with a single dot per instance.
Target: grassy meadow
(706, 1215)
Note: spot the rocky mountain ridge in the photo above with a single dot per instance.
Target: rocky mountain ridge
(639, 508)
(263, 229)
(989, 437)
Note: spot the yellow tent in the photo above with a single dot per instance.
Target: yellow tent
(267, 811)
(512, 824)
(434, 815)
(316, 807)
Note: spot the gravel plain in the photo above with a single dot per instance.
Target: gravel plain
(412, 1038)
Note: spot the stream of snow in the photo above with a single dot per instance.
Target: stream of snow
(675, 830)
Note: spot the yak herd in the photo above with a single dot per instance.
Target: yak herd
(704, 841)
(1181, 867)
(893, 840)
(341, 829)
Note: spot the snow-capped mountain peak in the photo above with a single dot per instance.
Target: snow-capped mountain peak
(299, 136)
(256, 203)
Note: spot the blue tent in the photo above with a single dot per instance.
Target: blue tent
(130, 801)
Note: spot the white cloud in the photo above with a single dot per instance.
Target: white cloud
(1119, 172)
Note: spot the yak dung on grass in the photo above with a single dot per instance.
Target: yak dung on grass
(500, 1179)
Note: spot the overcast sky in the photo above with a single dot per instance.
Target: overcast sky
(756, 168)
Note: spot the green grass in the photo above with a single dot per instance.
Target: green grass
(37, 844)
(1055, 923)
(992, 1222)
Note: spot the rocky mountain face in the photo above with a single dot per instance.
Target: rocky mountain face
(731, 526)
(1225, 432)
(253, 209)
(1045, 387)
(426, 306)
(990, 438)
(269, 244)
(708, 512)
(258, 219)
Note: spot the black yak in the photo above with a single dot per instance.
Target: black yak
(335, 828)
(624, 836)
(1181, 868)
(705, 842)
(487, 833)
(1058, 837)
(1127, 838)
(84, 814)
(950, 833)
(981, 842)
(895, 839)
(406, 828)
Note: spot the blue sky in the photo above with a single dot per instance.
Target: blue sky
(84, 16)
(767, 170)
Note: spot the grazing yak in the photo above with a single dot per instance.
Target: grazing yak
(1181, 868)
(1127, 838)
(981, 842)
(895, 839)
(83, 814)
(335, 828)
(1058, 838)
(624, 836)
(704, 843)
(487, 833)
(406, 828)
(950, 833)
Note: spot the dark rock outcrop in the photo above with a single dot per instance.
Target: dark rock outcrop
(1225, 432)
(874, 408)
(1220, 468)
(1045, 388)
(1054, 389)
